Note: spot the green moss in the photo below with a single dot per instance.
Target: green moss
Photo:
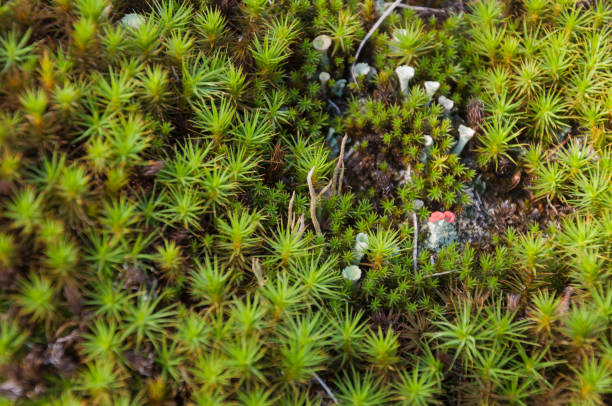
(157, 242)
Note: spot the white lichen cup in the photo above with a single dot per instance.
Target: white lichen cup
(132, 20)
(447, 103)
(324, 78)
(465, 135)
(360, 247)
(428, 143)
(362, 69)
(404, 74)
(351, 273)
(431, 88)
(322, 44)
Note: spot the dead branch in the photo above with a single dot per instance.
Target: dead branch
(341, 177)
(433, 275)
(325, 189)
(416, 240)
(335, 106)
(336, 179)
(553, 151)
(301, 225)
(290, 215)
(426, 11)
(313, 202)
(256, 269)
(325, 388)
(338, 173)
(365, 39)
(339, 165)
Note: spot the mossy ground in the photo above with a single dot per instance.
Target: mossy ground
(180, 191)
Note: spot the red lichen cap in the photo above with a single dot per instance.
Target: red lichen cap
(447, 216)
(435, 216)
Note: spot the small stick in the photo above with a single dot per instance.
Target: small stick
(335, 106)
(416, 240)
(439, 274)
(176, 75)
(341, 177)
(554, 150)
(415, 222)
(551, 205)
(330, 185)
(302, 225)
(377, 24)
(313, 202)
(256, 269)
(290, 216)
(425, 10)
(479, 201)
(325, 388)
(564, 305)
(339, 164)
(325, 189)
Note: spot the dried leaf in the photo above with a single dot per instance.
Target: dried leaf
(564, 305)
(31, 365)
(516, 179)
(141, 363)
(133, 277)
(513, 301)
(153, 168)
(74, 298)
(11, 389)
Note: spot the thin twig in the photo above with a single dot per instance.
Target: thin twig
(377, 24)
(175, 75)
(439, 274)
(349, 153)
(331, 185)
(83, 217)
(341, 177)
(290, 215)
(408, 174)
(325, 189)
(313, 202)
(425, 10)
(415, 222)
(335, 106)
(302, 225)
(256, 269)
(554, 150)
(479, 201)
(339, 165)
(325, 388)
(416, 240)
(552, 206)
